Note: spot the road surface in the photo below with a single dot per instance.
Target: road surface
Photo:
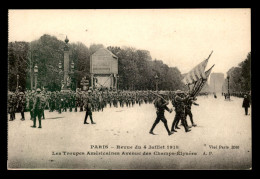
(120, 139)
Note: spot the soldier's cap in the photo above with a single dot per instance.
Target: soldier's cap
(89, 91)
(179, 92)
(21, 93)
(161, 92)
(38, 90)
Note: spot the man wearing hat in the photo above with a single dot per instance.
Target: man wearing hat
(21, 104)
(246, 104)
(190, 101)
(161, 105)
(11, 104)
(37, 108)
(179, 101)
(88, 107)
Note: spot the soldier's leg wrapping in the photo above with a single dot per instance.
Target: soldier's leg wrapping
(11, 115)
(190, 115)
(175, 121)
(184, 122)
(165, 124)
(157, 120)
(22, 114)
(40, 117)
(91, 119)
(34, 117)
(86, 117)
(246, 110)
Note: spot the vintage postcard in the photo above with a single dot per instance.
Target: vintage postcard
(129, 89)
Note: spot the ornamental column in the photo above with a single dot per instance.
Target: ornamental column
(66, 62)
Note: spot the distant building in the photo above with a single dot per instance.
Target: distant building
(104, 69)
(216, 82)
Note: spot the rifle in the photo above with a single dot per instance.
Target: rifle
(158, 95)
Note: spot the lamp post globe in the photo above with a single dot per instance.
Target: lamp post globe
(60, 65)
(72, 65)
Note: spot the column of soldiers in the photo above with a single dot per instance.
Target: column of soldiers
(182, 103)
(96, 100)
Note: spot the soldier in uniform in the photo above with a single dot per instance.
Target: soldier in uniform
(59, 102)
(11, 106)
(71, 101)
(179, 101)
(246, 104)
(188, 112)
(77, 101)
(81, 103)
(88, 107)
(43, 103)
(161, 106)
(30, 105)
(37, 108)
(21, 104)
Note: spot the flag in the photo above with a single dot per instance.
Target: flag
(200, 84)
(196, 73)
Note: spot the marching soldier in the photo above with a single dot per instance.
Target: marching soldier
(21, 104)
(11, 108)
(246, 104)
(81, 102)
(37, 108)
(71, 101)
(77, 101)
(161, 106)
(188, 112)
(179, 105)
(30, 105)
(88, 107)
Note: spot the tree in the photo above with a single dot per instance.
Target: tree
(246, 73)
(135, 66)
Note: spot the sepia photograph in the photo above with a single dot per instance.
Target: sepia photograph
(129, 89)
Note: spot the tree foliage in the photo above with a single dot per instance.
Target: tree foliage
(240, 77)
(136, 68)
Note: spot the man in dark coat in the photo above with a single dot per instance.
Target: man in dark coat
(161, 106)
(88, 107)
(179, 101)
(37, 108)
(21, 104)
(189, 103)
(246, 104)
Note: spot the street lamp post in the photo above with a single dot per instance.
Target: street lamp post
(117, 82)
(72, 74)
(60, 73)
(156, 81)
(36, 74)
(228, 86)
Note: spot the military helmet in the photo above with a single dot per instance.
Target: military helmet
(161, 92)
(21, 93)
(38, 90)
(89, 91)
(179, 92)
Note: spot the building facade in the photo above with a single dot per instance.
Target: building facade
(104, 69)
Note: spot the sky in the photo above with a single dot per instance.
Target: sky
(179, 37)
